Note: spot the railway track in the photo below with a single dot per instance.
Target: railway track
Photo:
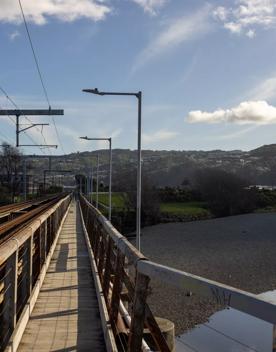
(6, 211)
(30, 211)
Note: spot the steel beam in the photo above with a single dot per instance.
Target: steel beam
(32, 112)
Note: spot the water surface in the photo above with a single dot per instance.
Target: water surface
(229, 331)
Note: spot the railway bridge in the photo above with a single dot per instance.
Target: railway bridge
(69, 281)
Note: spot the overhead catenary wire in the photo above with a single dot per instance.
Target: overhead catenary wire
(39, 72)
(30, 138)
(16, 106)
(6, 138)
(26, 117)
(34, 54)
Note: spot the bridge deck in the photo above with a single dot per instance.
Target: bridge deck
(66, 315)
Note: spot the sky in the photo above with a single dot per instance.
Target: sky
(206, 69)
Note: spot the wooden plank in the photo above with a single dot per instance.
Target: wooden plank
(66, 311)
(156, 333)
(117, 287)
(107, 270)
(138, 313)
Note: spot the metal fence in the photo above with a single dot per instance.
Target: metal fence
(21, 260)
(125, 276)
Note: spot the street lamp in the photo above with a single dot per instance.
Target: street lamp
(138, 95)
(110, 169)
(97, 178)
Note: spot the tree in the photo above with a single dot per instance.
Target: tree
(125, 182)
(10, 163)
(225, 193)
(81, 182)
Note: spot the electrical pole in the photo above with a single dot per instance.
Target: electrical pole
(97, 185)
(24, 179)
(110, 170)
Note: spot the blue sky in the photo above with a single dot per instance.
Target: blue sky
(206, 69)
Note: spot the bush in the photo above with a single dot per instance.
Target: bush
(225, 193)
(176, 194)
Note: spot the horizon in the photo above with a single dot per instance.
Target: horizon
(152, 150)
(193, 63)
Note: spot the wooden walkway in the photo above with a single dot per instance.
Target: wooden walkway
(66, 315)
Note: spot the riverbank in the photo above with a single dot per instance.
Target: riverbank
(237, 250)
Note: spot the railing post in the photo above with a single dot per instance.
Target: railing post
(25, 288)
(30, 265)
(11, 294)
(108, 269)
(42, 239)
(138, 313)
(101, 257)
(117, 287)
(274, 339)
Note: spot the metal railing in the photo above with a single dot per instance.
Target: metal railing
(21, 260)
(125, 276)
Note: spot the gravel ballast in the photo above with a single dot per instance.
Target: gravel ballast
(239, 251)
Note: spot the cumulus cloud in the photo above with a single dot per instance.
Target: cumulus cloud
(248, 112)
(151, 6)
(158, 136)
(247, 15)
(178, 31)
(64, 10)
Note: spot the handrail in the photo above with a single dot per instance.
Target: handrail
(22, 258)
(225, 295)
(101, 231)
(9, 247)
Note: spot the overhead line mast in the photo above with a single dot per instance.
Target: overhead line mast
(34, 112)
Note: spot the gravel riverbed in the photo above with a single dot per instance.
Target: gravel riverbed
(237, 250)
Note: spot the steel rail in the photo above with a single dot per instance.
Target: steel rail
(5, 210)
(10, 228)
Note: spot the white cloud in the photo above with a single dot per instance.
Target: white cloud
(221, 13)
(180, 30)
(151, 6)
(158, 136)
(251, 33)
(14, 35)
(265, 90)
(248, 112)
(247, 15)
(64, 10)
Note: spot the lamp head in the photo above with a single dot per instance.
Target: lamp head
(93, 91)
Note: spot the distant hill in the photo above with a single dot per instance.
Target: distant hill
(266, 151)
(168, 168)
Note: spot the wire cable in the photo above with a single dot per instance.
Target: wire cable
(230, 338)
(187, 345)
(34, 54)
(39, 71)
(25, 133)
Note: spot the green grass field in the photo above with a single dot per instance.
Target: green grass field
(188, 208)
(118, 199)
(172, 208)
